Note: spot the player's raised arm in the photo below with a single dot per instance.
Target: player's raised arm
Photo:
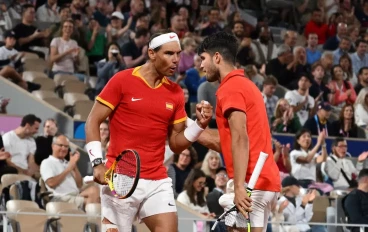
(180, 137)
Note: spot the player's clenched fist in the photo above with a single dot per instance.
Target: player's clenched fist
(204, 112)
(99, 174)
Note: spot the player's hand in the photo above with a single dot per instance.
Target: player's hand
(204, 114)
(99, 174)
(242, 201)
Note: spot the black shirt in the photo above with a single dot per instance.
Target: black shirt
(338, 130)
(22, 31)
(356, 206)
(131, 49)
(181, 176)
(316, 89)
(277, 69)
(311, 124)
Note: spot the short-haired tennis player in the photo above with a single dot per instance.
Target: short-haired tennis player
(244, 133)
(144, 109)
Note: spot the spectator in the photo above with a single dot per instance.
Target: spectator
(178, 171)
(347, 66)
(343, 48)
(345, 126)
(64, 13)
(282, 158)
(333, 42)
(193, 78)
(115, 32)
(284, 120)
(3, 103)
(313, 54)
(158, 19)
(21, 145)
(361, 108)
(269, 88)
(319, 122)
(212, 26)
(264, 48)
(290, 39)
(4, 155)
(101, 12)
(135, 52)
(355, 203)
(327, 63)
(252, 73)
(317, 27)
(360, 57)
(16, 7)
(280, 66)
(304, 159)
(63, 178)
(136, 7)
(212, 161)
(178, 25)
(213, 197)
(299, 208)
(362, 14)
(5, 20)
(48, 12)
(187, 55)
(334, 20)
(109, 66)
(300, 100)
(340, 169)
(96, 41)
(299, 65)
(362, 79)
(343, 90)
(105, 136)
(193, 195)
(44, 142)
(318, 87)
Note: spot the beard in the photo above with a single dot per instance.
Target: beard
(264, 39)
(212, 74)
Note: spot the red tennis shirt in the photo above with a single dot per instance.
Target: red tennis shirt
(141, 117)
(239, 93)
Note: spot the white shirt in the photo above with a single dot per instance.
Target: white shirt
(45, 14)
(66, 64)
(361, 115)
(52, 167)
(184, 199)
(303, 171)
(19, 148)
(6, 53)
(294, 98)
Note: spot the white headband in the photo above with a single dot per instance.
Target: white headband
(162, 39)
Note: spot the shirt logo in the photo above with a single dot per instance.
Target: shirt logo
(136, 99)
(172, 36)
(169, 106)
(171, 204)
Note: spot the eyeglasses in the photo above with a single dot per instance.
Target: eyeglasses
(61, 145)
(221, 175)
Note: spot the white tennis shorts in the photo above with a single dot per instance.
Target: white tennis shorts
(151, 197)
(263, 202)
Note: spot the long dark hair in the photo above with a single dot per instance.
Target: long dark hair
(193, 157)
(341, 116)
(107, 50)
(345, 82)
(298, 135)
(197, 198)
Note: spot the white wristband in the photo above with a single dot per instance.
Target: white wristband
(189, 122)
(193, 132)
(94, 150)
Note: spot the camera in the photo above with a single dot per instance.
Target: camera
(115, 52)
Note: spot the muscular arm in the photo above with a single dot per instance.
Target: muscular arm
(97, 115)
(210, 138)
(177, 140)
(239, 146)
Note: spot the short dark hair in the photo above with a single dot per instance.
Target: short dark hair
(238, 22)
(298, 135)
(222, 42)
(337, 141)
(270, 80)
(158, 33)
(361, 70)
(63, 7)
(30, 119)
(357, 43)
(141, 32)
(363, 173)
(26, 6)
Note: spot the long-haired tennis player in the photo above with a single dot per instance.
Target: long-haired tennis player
(144, 109)
(244, 133)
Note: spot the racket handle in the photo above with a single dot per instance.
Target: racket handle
(257, 170)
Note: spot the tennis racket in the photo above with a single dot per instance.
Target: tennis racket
(123, 175)
(252, 182)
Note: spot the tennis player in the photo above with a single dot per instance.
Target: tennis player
(144, 108)
(244, 133)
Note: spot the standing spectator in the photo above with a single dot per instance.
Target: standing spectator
(313, 54)
(284, 120)
(44, 142)
(319, 122)
(269, 88)
(343, 90)
(135, 52)
(48, 12)
(345, 126)
(317, 26)
(362, 79)
(96, 41)
(361, 108)
(304, 159)
(360, 57)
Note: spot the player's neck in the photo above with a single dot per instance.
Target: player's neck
(149, 73)
(225, 70)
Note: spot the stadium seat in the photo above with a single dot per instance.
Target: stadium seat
(94, 211)
(320, 205)
(73, 86)
(28, 55)
(82, 109)
(280, 91)
(25, 222)
(71, 98)
(31, 75)
(59, 78)
(56, 102)
(37, 65)
(42, 94)
(67, 223)
(91, 82)
(361, 133)
(46, 83)
(9, 179)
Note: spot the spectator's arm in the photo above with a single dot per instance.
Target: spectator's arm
(55, 56)
(129, 62)
(55, 181)
(19, 169)
(27, 39)
(309, 157)
(323, 157)
(339, 97)
(92, 41)
(77, 177)
(354, 210)
(307, 213)
(332, 170)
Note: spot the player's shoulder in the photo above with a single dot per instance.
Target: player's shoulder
(171, 85)
(123, 75)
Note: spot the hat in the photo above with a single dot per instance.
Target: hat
(289, 181)
(325, 106)
(117, 14)
(220, 169)
(9, 34)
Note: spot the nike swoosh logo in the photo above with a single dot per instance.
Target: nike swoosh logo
(136, 99)
(171, 204)
(91, 152)
(173, 36)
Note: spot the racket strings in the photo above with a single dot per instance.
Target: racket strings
(125, 174)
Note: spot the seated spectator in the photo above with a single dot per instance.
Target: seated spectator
(193, 195)
(187, 55)
(269, 88)
(318, 87)
(345, 126)
(213, 197)
(96, 41)
(182, 164)
(340, 169)
(362, 79)
(299, 208)
(282, 158)
(48, 12)
(344, 46)
(44, 142)
(264, 48)
(355, 204)
(342, 90)
(135, 52)
(327, 63)
(280, 67)
(347, 66)
(333, 21)
(299, 65)
(304, 159)
(333, 42)
(360, 57)
(193, 78)
(5, 20)
(284, 120)
(158, 19)
(252, 73)
(29, 38)
(63, 178)
(212, 161)
(65, 53)
(109, 66)
(4, 155)
(105, 137)
(21, 145)
(290, 38)
(8, 54)
(319, 122)
(213, 24)
(361, 108)
(313, 54)
(300, 100)
(3, 103)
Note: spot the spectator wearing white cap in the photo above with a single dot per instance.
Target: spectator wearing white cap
(115, 32)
